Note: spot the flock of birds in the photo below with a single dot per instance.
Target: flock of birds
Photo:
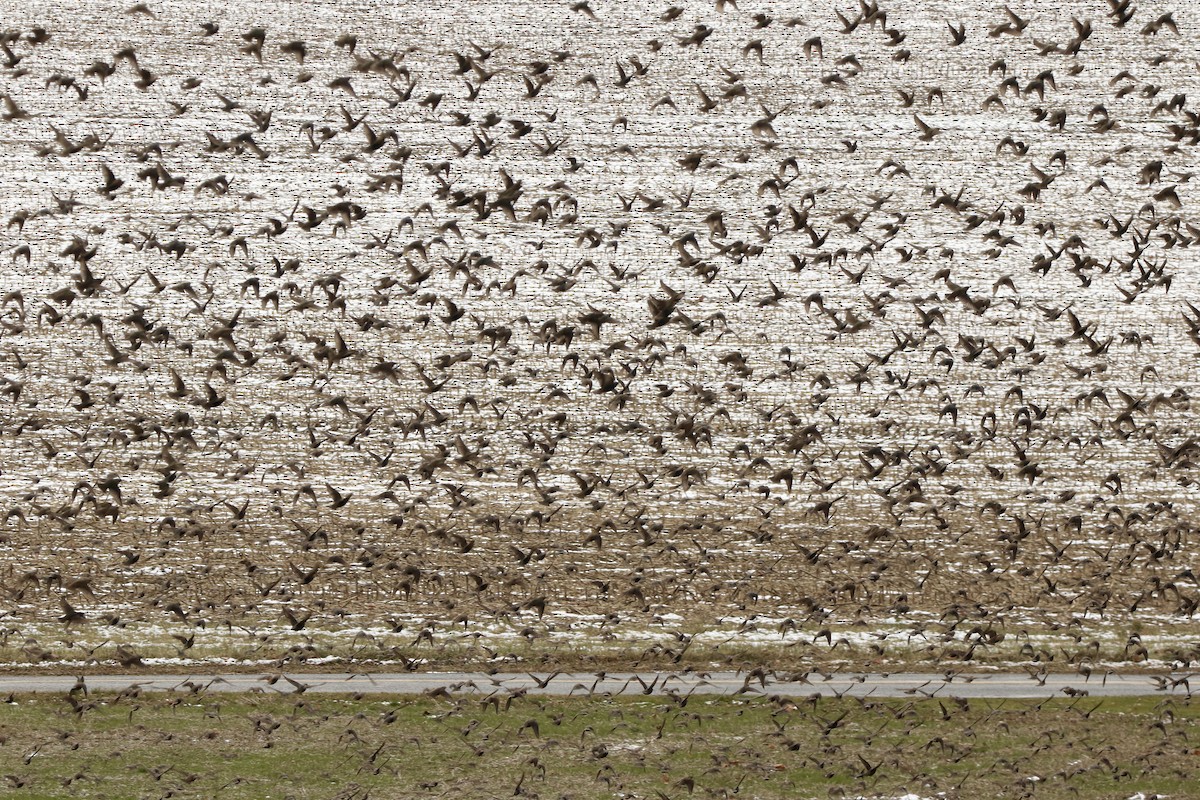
(514, 315)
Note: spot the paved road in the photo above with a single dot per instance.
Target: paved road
(1007, 685)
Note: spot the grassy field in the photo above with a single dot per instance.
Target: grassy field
(301, 746)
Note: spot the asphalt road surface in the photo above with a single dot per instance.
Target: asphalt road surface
(1000, 685)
